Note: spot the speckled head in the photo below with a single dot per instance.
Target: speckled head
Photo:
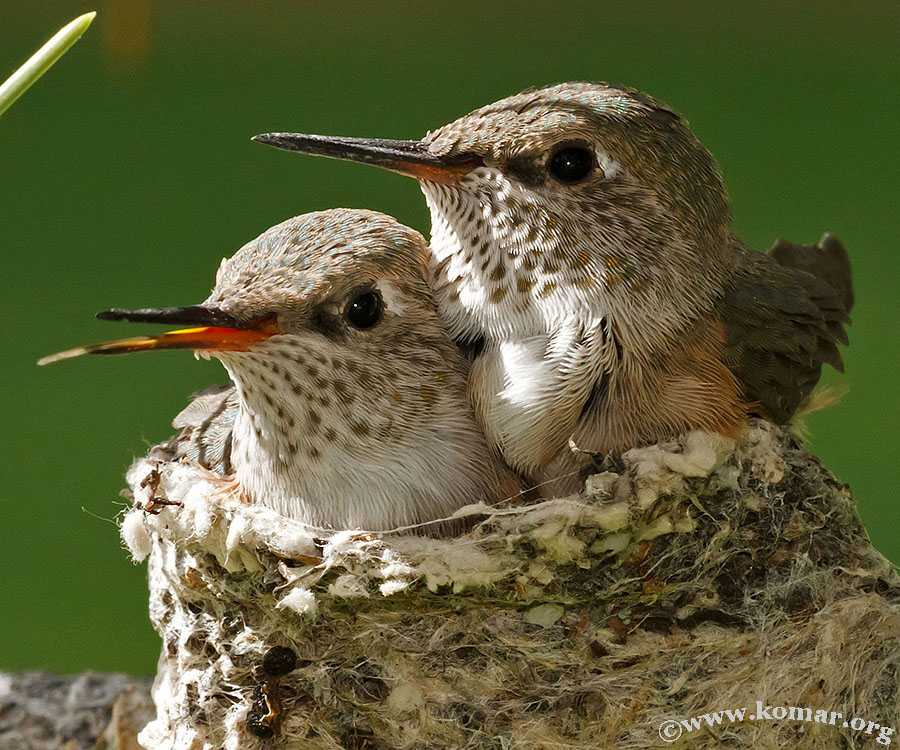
(349, 408)
(630, 137)
(581, 197)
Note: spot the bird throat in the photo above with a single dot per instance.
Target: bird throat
(511, 262)
(575, 316)
(313, 443)
(500, 262)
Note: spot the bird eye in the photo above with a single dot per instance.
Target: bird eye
(571, 163)
(364, 310)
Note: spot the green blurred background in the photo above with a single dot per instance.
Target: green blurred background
(128, 173)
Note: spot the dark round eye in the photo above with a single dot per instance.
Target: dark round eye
(572, 163)
(364, 310)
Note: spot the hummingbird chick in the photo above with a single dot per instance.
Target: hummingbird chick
(581, 238)
(347, 406)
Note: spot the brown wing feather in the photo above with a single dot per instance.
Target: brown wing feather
(205, 429)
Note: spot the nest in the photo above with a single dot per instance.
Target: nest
(687, 578)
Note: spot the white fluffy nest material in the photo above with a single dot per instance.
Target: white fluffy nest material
(689, 577)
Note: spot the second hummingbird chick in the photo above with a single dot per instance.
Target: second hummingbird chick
(348, 406)
(581, 237)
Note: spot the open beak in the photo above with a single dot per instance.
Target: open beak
(410, 158)
(215, 330)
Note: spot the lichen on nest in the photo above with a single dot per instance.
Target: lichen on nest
(688, 577)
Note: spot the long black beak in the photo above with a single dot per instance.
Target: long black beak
(212, 330)
(410, 158)
(195, 315)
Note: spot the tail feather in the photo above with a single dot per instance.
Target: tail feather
(784, 316)
(827, 261)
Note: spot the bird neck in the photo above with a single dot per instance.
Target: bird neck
(360, 461)
(506, 270)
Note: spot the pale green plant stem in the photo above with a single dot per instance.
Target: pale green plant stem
(40, 61)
